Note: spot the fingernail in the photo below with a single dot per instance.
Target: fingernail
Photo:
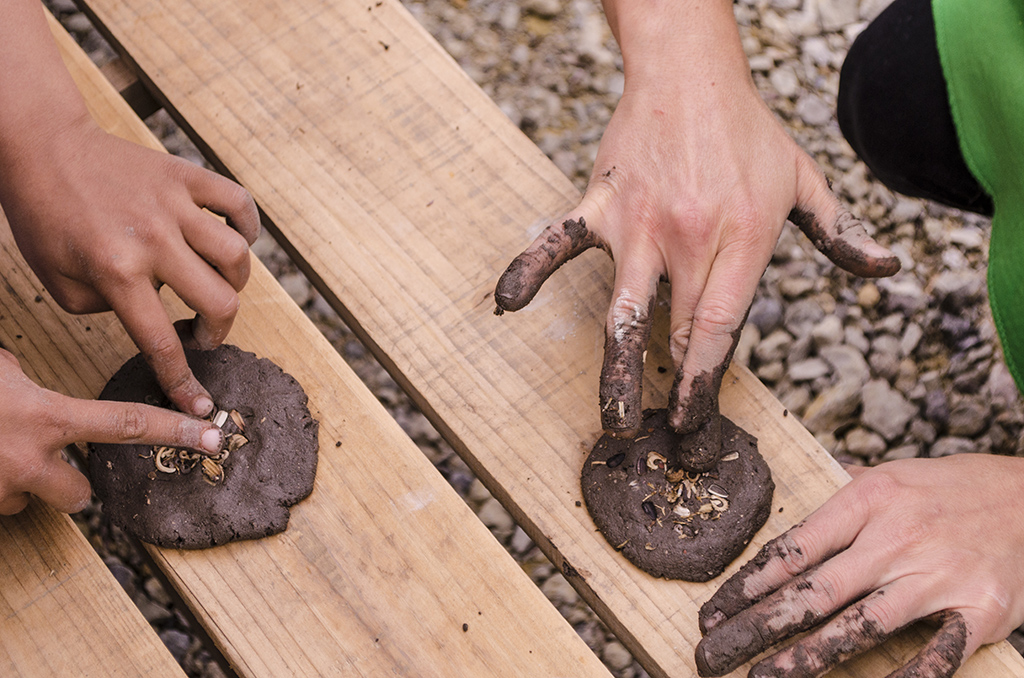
(212, 440)
(202, 406)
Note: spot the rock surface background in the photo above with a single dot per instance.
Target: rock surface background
(877, 370)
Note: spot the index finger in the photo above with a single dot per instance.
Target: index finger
(140, 310)
(104, 421)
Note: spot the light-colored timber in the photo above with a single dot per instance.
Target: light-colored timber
(383, 571)
(403, 192)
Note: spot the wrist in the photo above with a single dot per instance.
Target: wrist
(686, 42)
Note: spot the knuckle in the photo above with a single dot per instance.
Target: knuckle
(716, 317)
(694, 218)
(876, 617)
(129, 423)
(824, 592)
(793, 554)
(224, 309)
(628, 309)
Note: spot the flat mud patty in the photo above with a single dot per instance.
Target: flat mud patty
(688, 529)
(180, 499)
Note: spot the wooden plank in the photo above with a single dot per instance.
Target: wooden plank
(404, 192)
(131, 89)
(61, 611)
(383, 571)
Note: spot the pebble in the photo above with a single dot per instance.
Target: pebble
(494, 516)
(968, 418)
(808, 370)
(886, 411)
(828, 332)
(868, 295)
(765, 314)
(559, 591)
(616, 656)
(864, 443)
(944, 447)
(833, 406)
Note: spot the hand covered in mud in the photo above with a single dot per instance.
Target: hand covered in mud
(693, 182)
(933, 539)
(35, 424)
(104, 223)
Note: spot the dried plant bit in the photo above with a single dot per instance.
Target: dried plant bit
(719, 504)
(616, 460)
(213, 472)
(732, 456)
(648, 546)
(649, 509)
(237, 418)
(622, 545)
(656, 461)
(220, 418)
(235, 441)
(718, 491)
(682, 511)
(164, 460)
(705, 509)
(676, 476)
(148, 454)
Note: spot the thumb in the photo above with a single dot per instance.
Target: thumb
(834, 231)
(101, 421)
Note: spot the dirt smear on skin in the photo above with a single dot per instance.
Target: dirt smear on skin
(622, 372)
(943, 654)
(527, 272)
(688, 526)
(845, 245)
(698, 419)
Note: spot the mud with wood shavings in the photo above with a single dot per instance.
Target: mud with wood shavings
(678, 524)
(168, 499)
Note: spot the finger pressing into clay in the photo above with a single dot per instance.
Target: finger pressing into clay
(944, 653)
(228, 199)
(834, 231)
(102, 421)
(140, 310)
(799, 605)
(221, 247)
(206, 292)
(712, 338)
(627, 332)
(826, 532)
(858, 628)
(556, 245)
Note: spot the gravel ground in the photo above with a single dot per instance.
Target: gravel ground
(897, 368)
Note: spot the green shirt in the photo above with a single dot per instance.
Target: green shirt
(981, 47)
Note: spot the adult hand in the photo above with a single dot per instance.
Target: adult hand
(104, 223)
(937, 539)
(36, 424)
(693, 182)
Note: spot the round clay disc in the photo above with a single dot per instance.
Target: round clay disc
(272, 470)
(690, 529)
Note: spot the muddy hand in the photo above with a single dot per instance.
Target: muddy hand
(906, 541)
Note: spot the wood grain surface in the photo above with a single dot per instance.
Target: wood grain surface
(383, 571)
(404, 192)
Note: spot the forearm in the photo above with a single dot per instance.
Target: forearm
(38, 98)
(666, 41)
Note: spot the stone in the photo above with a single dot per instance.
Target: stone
(494, 516)
(828, 331)
(750, 337)
(885, 409)
(922, 431)
(868, 295)
(774, 347)
(297, 287)
(765, 314)
(803, 315)
(847, 363)
(559, 591)
(177, 643)
(936, 407)
(785, 82)
(968, 418)
(794, 288)
(771, 372)
(911, 338)
(616, 656)
(813, 110)
(905, 296)
(833, 407)
(944, 447)
(901, 452)
(864, 443)
(967, 238)
(520, 542)
(1000, 387)
(808, 370)
(547, 9)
